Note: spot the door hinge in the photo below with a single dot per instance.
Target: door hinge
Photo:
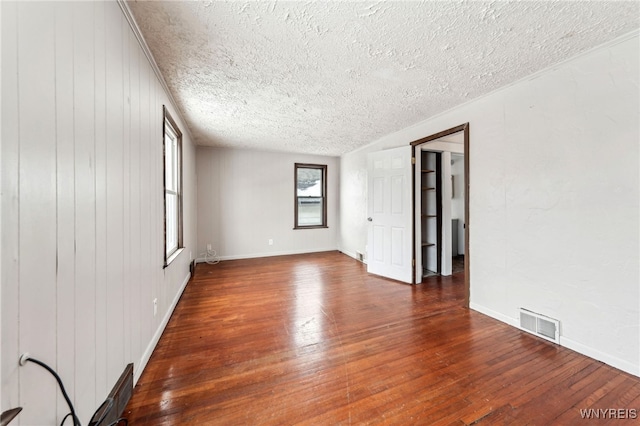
(413, 160)
(413, 262)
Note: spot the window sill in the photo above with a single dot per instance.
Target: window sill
(172, 257)
(310, 227)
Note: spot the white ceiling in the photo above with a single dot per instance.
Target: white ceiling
(329, 77)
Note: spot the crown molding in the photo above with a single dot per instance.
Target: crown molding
(154, 65)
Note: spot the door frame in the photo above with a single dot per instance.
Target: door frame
(461, 128)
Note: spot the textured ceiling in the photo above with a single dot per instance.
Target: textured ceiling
(329, 77)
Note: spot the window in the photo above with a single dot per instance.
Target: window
(172, 188)
(310, 196)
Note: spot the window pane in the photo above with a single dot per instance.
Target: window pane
(172, 222)
(170, 162)
(310, 211)
(309, 182)
(174, 165)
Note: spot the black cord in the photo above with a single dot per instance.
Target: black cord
(64, 419)
(76, 421)
(117, 422)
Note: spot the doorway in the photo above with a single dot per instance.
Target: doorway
(437, 236)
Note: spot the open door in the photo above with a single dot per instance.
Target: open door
(390, 236)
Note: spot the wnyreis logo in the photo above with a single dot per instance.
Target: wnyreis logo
(609, 413)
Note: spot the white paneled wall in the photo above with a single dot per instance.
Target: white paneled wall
(246, 198)
(82, 207)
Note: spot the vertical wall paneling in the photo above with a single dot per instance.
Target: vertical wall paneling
(155, 195)
(85, 202)
(126, 192)
(36, 85)
(135, 194)
(1, 192)
(101, 385)
(115, 135)
(144, 306)
(151, 290)
(65, 202)
(10, 206)
(162, 282)
(81, 205)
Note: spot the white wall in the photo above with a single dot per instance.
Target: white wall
(246, 197)
(82, 209)
(554, 199)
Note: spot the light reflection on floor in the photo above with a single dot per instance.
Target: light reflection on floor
(310, 322)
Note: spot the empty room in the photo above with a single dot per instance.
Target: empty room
(337, 212)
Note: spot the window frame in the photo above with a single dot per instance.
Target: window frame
(170, 126)
(323, 169)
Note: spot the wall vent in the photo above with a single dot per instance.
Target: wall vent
(541, 326)
(359, 256)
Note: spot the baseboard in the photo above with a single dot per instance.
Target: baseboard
(613, 361)
(348, 253)
(585, 350)
(268, 254)
(156, 337)
(495, 315)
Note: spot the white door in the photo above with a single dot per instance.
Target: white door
(389, 207)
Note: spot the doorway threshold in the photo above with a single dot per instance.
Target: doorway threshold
(427, 273)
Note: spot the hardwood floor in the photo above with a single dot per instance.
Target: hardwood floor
(313, 339)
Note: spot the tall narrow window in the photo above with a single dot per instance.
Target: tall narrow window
(310, 196)
(172, 188)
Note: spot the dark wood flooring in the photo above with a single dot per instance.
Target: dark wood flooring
(313, 339)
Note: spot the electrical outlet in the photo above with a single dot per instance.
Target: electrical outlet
(155, 306)
(209, 247)
(270, 241)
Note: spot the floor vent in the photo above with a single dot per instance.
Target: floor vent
(541, 326)
(113, 408)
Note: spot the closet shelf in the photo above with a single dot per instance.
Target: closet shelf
(428, 189)
(428, 171)
(427, 244)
